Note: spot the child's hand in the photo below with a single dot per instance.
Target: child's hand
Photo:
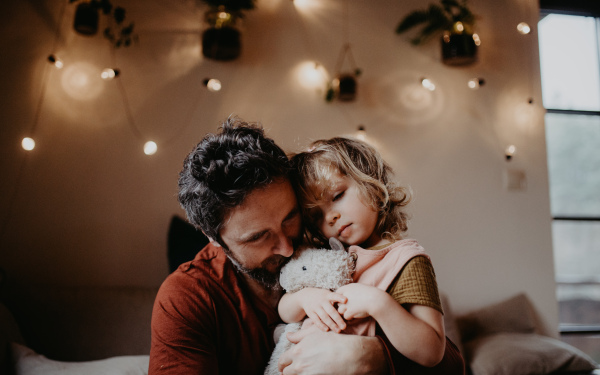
(318, 306)
(361, 299)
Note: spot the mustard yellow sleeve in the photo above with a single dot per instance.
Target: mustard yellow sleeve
(416, 284)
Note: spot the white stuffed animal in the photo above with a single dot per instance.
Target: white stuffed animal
(311, 268)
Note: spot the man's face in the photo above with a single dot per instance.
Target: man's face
(260, 233)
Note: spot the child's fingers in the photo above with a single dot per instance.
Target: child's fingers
(336, 317)
(337, 298)
(316, 319)
(326, 319)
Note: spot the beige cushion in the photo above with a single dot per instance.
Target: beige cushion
(28, 362)
(512, 315)
(524, 354)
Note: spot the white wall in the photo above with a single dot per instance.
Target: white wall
(87, 207)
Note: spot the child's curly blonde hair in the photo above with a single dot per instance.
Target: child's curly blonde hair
(312, 171)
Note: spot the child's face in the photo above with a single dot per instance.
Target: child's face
(343, 214)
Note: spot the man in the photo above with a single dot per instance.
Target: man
(216, 314)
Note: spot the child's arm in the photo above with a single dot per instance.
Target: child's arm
(417, 333)
(315, 303)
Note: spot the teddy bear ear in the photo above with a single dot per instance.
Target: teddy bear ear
(335, 244)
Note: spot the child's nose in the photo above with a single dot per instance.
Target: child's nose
(333, 217)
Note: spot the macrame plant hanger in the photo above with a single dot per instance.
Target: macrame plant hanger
(344, 85)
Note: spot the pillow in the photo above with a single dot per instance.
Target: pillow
(512, 315)
(524, 354)
(28, 362)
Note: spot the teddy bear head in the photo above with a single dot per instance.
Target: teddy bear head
(318, 268)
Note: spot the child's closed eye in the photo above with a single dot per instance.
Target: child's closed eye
(338, 195)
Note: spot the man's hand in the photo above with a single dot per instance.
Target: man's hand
(318, 352)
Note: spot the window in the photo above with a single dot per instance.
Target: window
(570, 71)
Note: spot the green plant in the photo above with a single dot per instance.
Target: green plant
(449, 15)
(117, 32)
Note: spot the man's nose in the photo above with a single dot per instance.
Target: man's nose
(285, 246)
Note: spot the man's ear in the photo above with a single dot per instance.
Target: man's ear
(215, 243)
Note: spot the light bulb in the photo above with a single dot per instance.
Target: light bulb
(509, 152)
(458, 26)
(311, 75)
(55, 61)
(476, 40)
(109, 73)
(428, 84)
(361, 133)
(28, 144)
(475, 83)
(212, 84)
(523, 28)
(150, 148)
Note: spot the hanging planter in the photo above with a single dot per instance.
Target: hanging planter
(87, 17)
(344, 86)
(222, 39)
(454, 21)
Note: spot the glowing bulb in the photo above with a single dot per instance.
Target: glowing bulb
(311, 75)
(509, 152)
(55, 61)
(458, 26)
(109, 73)
(476, 40)
(361, 133)
(150, 148)
(212, 84)
(305, 4)
(428, 84)
(523, 28)
(28, 144)
(475, 83)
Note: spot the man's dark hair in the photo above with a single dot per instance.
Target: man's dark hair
(223, 169)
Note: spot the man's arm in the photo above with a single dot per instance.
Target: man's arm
(178, 346)
(318, 352)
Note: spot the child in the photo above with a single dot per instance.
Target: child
(345, 192)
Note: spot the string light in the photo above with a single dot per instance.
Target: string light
(55, 61)
(426, 82)
(523, 28)
(361, 133)
(212, 84)
(475, 83)
(28, 144)
(108, 73)
(509, 152)
(311, 75)
(150, 148)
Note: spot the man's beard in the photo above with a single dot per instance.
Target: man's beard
(262, 275)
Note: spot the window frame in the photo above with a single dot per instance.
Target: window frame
(587, 9)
